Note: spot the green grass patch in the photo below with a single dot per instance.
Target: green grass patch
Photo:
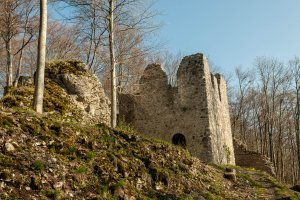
(211, 196)
(37, 166)
(119, 184)
(73, 150)
(286, 193)
(81, 170)
(124, 127)
(248, 179)
(90, 155)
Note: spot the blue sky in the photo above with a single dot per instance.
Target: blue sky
(232, 32)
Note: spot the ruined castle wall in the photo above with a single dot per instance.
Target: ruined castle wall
(246, 158)
(148, 117)
(224, 121)
(219, 116)
(192, 105)
(193, 109)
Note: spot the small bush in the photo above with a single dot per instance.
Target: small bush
(73, 150)
(37, 166)
(81, 170)
(211, 196)
(249, 180)
(6, 122)
(117, 185)
(103, 189)
(124, 127)
(33, 129)
(9, 101)
(90, 155)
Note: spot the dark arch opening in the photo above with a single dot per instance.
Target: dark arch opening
(179, 139)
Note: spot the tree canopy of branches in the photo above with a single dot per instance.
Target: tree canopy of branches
(18, 28)
(265, 113)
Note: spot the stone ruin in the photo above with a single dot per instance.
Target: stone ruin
(247, 158)
(194, 114)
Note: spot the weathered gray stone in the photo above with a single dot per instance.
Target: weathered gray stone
(246, 158)
(119, 192)
(87, 94)
(58, 185)
(9, 147)
(194, 114)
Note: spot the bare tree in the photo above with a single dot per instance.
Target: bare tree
(40, 73)
(245, 81)
(91, 18)
(295, 69)
(170, 63)
(62, 42)
(132, 19)
(16, 19)
(112, 65)
(29, 30)
(264, 114)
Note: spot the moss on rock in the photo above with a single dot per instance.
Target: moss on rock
(55, 100)
(65, 67)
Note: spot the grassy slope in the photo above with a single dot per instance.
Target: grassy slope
(95, 162)
(56, 157)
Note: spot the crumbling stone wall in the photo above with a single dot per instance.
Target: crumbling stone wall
(246, 158)
(194, 114)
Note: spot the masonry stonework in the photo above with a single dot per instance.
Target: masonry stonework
(247, 158)
(194, 114)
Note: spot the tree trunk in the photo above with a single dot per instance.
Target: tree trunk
(18, 69)
(40, 73)
(9, 74)
(21, 57)
(297, 128)
(113, 68)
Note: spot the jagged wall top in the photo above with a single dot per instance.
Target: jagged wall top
(193, 108)
(153, 78)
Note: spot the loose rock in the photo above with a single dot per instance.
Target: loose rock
(9, 147)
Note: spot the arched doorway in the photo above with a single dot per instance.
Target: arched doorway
(179, 139)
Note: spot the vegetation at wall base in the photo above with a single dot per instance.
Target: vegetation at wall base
(53, 158)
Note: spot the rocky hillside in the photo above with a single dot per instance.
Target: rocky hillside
(70, 92)
(56, 156)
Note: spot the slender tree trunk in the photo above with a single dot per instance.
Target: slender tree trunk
(271, 148)
(297, 129)
(297, 119)
(280, 143)
(21, 57)
(8, 40)
(18, 69)
(93, 41)
(113, 66)
(40, 73)
(120, 79)
(9, 74)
